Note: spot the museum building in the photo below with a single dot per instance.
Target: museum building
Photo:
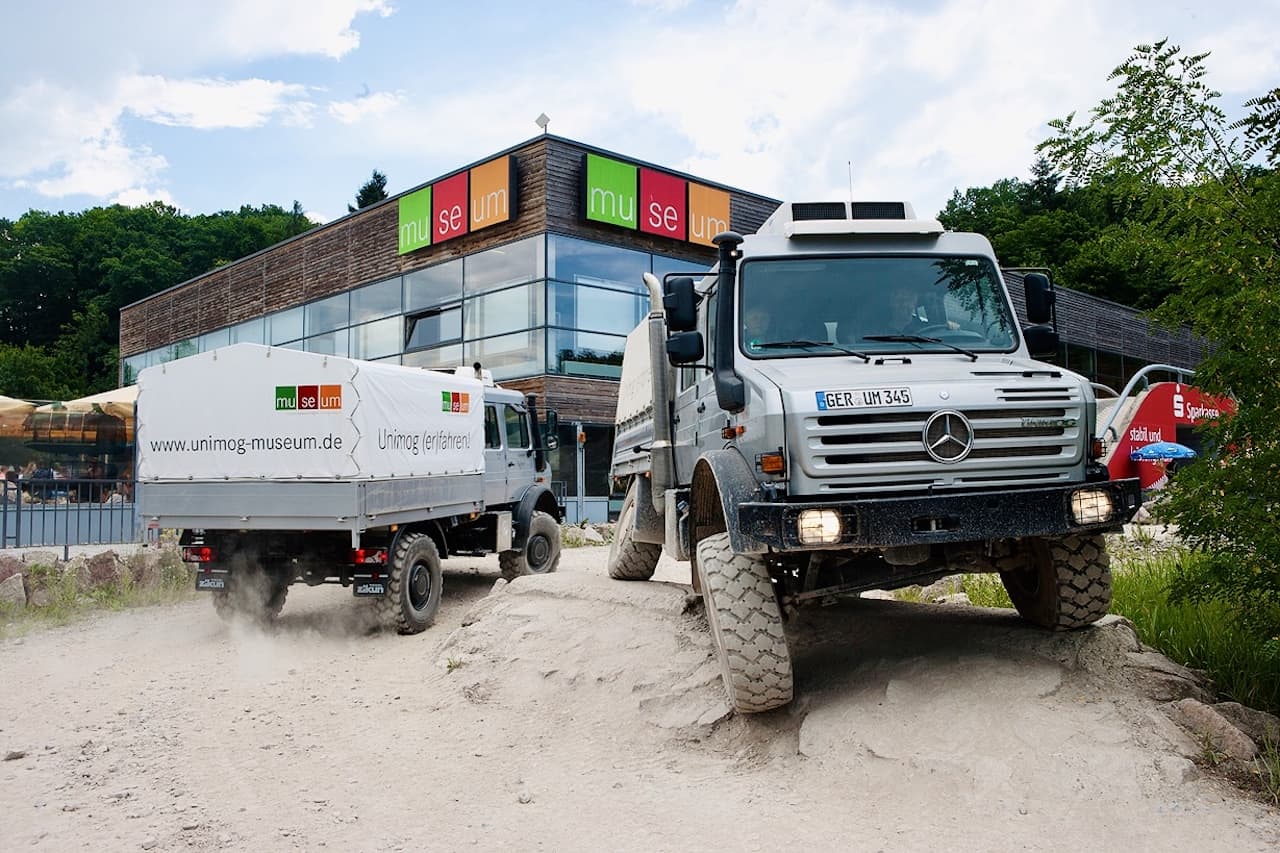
(528, 261)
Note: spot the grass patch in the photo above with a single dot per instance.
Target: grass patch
(986, 591)
(66, 596)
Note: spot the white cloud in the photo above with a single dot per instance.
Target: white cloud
(207, 104)
(63, 120)
(138, 196)
(374, 105)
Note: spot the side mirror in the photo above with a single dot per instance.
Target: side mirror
(685, 348)
(1042, 341)
(1040, 298)
(550, 430)
(680, 303)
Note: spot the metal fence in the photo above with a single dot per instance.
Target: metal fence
(68, 512)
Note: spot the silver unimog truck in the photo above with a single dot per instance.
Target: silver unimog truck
(846, 402)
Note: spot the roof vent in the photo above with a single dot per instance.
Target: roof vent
(818, 210)
(878, 210)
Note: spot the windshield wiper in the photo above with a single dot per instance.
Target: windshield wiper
(806, 344)
(920, 339)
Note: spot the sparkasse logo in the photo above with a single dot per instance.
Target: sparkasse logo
(455, 401)
(308, 398)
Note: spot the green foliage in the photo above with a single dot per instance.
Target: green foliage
(373, 190)
(30, 373)
(1215, 218)
(64, 278)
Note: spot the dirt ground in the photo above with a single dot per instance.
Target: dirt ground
(572, 712)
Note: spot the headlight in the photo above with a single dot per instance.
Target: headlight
(818, 526)
(1091, 506)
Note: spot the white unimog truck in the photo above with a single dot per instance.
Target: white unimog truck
(285, 467)
(852, 407)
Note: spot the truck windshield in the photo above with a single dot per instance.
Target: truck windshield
(872, 304)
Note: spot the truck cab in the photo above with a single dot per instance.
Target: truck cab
(850, 404)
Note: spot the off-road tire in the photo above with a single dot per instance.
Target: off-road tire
(414, 579)
(248, 601)
(630, 560)
(746, 625)
(1059, 583)
(541, 552)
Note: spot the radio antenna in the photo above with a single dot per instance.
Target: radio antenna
(850, 162)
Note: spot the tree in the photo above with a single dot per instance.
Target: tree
(1164, 138)
(374, 190)
(30, 373)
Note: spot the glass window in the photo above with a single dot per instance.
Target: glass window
(597, 454)
(328, 314)
(1081, 360)
(285, 325)
(663, 265)
(595, 263)
(249, 332)
(584, 354)
(377, 339)
(450, 356)
(564, 461)
(433, 286)
(298, 345)
(1110, 370)
(509, 356)
(513, 263)
(517, 428)
(433, 327)
(595, 309)
(181, 349)
(375, 301)
(872, 304)
(213, 340)
(130, 368)
(492, 435)
(330, 343)
(504, 311)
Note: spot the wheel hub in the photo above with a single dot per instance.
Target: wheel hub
(539, 553)
(419, 585)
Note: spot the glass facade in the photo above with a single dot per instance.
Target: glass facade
(544, 304)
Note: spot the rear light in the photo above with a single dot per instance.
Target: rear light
(362, 556)
(197, 554)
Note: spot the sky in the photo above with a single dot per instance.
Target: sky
(212, 105)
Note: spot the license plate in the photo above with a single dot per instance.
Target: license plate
(369, 589)
(210, 582)
(863, 398)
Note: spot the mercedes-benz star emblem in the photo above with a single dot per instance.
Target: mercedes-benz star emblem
(947, 436)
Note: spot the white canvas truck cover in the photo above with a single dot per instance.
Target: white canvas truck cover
(250, 412)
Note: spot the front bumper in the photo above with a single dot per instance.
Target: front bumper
(940, 518)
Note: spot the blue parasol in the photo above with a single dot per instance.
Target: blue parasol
(1162, 450)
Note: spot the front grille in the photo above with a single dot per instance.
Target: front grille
(1023, 443)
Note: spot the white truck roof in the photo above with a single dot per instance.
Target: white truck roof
(250, 412)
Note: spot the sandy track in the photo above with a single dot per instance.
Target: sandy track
(577, 713)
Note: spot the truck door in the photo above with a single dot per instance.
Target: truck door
(520, 458)
(700, 416)
(495, 459)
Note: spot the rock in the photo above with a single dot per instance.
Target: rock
(12, 592)
(9, 566)
(102, 569)
(1258, 725)
(1178, 770)
(15, 754)
(878, 594)
(40, 558)
(954, 598)
(592, 536)
(149, 843)
(1212, 729)
(525, 798)
(1161, 679)
(942, 587)
(1142, 516)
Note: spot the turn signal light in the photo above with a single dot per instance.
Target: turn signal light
(1097, 449)
(197, 554)
(771, 463)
